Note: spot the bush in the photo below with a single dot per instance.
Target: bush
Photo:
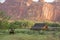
(21, 24)
(4, 24)
(53, 24)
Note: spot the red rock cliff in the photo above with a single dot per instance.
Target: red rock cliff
(25, 9)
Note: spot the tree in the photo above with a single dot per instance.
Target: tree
(4, 20)
(4, 16)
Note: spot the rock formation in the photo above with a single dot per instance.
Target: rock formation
(27, 9)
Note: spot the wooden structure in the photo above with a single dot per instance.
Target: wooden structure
(39, 26)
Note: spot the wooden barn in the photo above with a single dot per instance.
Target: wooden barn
(39, 26)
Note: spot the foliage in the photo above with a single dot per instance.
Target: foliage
(21, 24)
(53, 24)
(4, 16)
(4, 24)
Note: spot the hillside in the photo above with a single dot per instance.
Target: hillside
(37, 11)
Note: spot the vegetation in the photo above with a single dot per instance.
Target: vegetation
(4, 24)
(21, 24)
(4, 16)
(4, 20)
(26, 34)
(16, 24)
(22, 31)
(53, 24)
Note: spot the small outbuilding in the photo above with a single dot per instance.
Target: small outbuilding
(39, 26)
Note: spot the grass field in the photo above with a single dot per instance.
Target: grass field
(25, 34)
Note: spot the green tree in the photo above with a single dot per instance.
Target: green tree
(4, 16)
(4, 20)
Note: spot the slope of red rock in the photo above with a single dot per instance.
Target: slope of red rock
(37, 11)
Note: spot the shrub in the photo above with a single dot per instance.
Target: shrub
(21, 24)
(4, 25)
(53, 24)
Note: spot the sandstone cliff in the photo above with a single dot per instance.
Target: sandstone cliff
(37, 11)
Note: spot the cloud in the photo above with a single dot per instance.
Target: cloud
(49, 0)
(35, 0)
(2, 1)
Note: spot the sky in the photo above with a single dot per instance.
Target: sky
(2, 1)
(44, 0)
(49, 0)
(35, 0)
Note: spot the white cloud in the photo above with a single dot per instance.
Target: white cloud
(35, 0)
(2, 1)
(49, 0)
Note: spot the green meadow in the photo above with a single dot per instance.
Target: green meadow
(26, 34)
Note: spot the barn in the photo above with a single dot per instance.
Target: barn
(39, 26)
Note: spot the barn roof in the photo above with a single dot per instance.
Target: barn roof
(38, 25)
